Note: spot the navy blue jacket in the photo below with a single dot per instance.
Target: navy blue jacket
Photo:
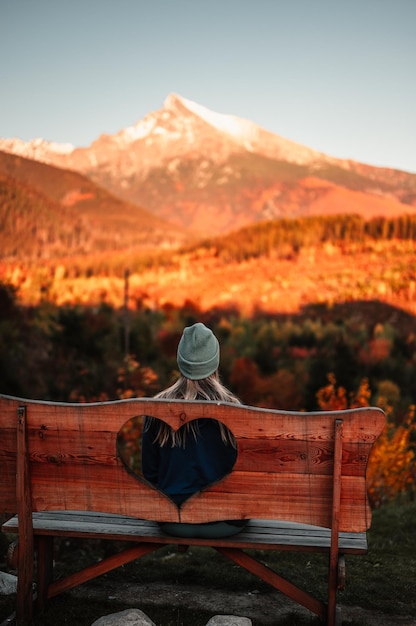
(181, 471)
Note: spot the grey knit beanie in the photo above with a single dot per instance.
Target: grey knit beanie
(198, 352)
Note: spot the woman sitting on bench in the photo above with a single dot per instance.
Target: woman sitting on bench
(202, 452)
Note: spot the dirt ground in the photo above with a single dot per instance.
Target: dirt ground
(264, 608)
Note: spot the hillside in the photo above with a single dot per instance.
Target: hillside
(215, 173)
(33, 226)
(46, 212)
(249, 189)
(277, 267)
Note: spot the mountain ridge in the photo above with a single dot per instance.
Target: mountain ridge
(213, 173)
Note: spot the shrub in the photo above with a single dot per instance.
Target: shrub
(391, 471)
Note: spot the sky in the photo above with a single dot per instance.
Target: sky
(338, 76)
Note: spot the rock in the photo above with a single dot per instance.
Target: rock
(129, 617)
(136, 617)
(8, 584)
(229, 620)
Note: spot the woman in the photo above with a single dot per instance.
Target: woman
(203, 451)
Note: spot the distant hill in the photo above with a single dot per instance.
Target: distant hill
(282, 267)
(215, 173)
(46, 211)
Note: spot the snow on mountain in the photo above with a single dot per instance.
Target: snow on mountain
(37, 149)
(247, 134)
(139, 131)
(229, 124)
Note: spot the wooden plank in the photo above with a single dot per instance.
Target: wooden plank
(275, 500)
(335, 524)
(8, 500)
(112, 490)
(8, 443)
(82, 447)
(300, 457)
(268, 533)
(254, 455)
(363, 424)
(24, 611)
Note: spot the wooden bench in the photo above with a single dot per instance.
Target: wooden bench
(299, 478)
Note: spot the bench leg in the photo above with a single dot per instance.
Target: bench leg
(21, 554)
(272, 578)
(100, 568)
(45, 569)
(336, 581)
(24, 599)
(341, 572)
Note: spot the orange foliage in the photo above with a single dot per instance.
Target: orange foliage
(391, 470)
(392, 466)
(331, 397)
(282, 389)
(135, 380)
(129, 444)
(245, 379)
(377, 350)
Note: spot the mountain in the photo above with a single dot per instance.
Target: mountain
(46, 211)
(215, 173)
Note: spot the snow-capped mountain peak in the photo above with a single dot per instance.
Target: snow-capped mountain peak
(230, 124)
(244, 133)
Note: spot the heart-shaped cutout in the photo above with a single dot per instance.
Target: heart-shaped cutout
(177, 463)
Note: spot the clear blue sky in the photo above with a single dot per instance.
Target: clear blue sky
(336, 75)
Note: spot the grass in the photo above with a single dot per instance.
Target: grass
(384, 580)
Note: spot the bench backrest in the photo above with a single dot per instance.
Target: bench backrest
(295, 466)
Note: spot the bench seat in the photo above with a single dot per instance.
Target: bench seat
(258, 534)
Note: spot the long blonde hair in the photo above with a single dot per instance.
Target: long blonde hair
(209, 388)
